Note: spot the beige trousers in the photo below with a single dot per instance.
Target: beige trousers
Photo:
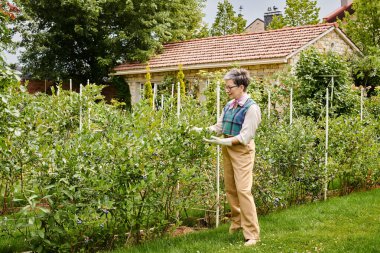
(238, 163)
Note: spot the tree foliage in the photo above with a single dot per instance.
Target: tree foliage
(202, 32)
(314, 71)
(123, 94)
(276, 23)
(297, 13)
(364, 26)
(8, 14)
(226, 21)
(85, 39)
(366, 70)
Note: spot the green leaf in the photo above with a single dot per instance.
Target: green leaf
(68, 194)
(41, 234)
(45, 210)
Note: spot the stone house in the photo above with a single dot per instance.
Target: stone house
(262, 53)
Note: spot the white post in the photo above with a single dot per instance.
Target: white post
(154, 95)
(45, 85)
(178, 115)
(89, 110)
(291, 106)
(332, 90)
(162, 109)
(326, 142)
(269, 104)
(89, 118)
(361, 103)
(178, 100)
(171, 102)
(80, 108)
(218, 156)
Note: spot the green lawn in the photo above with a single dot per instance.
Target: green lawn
(10, 245)
(342, 224)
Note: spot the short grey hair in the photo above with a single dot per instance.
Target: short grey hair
(239, 77)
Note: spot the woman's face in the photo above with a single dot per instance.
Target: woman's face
(233, 91)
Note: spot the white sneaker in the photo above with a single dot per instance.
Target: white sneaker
(250, 242)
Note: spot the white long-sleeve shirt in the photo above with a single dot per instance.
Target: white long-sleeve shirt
(251, 122)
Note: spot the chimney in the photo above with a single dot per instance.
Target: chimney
(345, 2)
(268, 16)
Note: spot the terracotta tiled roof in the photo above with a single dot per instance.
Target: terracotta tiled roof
(232, 48)
(339, 13)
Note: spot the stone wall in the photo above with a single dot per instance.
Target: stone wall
(330, 42)
(267, 70)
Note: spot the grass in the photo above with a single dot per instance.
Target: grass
(10, 245)
(343, 224)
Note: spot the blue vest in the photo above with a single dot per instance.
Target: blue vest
(233, 118)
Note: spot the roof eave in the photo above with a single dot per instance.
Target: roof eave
(349, 42)
(202, 66)
(338, 11)
(340, 33)
(310, 42)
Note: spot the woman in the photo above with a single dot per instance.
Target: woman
(238, 123)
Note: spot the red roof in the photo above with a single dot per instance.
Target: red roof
(339, 13)
(230, 48)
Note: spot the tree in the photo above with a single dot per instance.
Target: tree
(85, 39)
(276, 23)
(226, 21)
(366, 70)
(297, 13)
(5, 33)
(8, 14)
(202, 32)
(364, 27)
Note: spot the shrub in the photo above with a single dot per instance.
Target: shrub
(314, 71)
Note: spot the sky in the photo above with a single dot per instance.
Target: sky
(252, 9)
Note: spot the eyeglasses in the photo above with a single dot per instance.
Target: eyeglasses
(228, 88)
